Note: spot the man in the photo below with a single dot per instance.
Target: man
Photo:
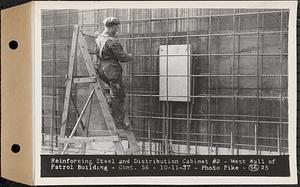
(110, 55)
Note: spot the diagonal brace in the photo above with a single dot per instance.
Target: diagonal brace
(79, 119)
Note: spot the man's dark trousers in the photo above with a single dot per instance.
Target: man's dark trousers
(111, 74)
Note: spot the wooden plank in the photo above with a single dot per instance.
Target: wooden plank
(99, 133)
(130, 136)
(122, 132)
(84, 80)
(88, 139)
(132, 150)
(131, 139)
(69, 83)
(102, 101)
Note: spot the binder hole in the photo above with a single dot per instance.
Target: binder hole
(15, 148)
(13, 44)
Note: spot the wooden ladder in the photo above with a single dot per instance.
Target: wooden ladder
(112, 134)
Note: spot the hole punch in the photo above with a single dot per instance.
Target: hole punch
(15, 148)
(13, 44)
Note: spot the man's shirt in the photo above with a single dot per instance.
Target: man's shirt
(112, 49)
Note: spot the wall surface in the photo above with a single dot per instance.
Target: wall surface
(238, 77)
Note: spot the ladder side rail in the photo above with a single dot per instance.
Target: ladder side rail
(134, 148)
(69, 83)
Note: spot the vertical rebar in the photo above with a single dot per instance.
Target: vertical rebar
(167, 77)
(114, 12)
(128, 65)
(279, 128)
(233, 85)
(151, 86)
(149, 137)
(209, 83)
(43, 64)
(262, 44)
(170, 130)
(98, 21)
(238, 80)
(178, 147)
(53, 83)
(162, 103)
(133, 57)
(144, 68)
(257, 86)
(217, 90)
(57, 120)
(188, 141)
(199, 21)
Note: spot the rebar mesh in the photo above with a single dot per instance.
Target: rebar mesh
(239, 78)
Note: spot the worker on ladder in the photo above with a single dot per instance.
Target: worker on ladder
(109, 55)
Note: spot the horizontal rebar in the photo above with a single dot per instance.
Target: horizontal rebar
(212, 115)
(194, 96)
(120, 37)
(208, 95)
(174, 141)
(213, 134)
(201, 75)
(204, 75)
(214, 120)
(205, 142)
(213, 54)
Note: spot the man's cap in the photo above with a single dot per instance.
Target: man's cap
(110, 21)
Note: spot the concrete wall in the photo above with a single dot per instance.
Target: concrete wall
(147, 31)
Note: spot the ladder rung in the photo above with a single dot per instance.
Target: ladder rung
(88, 139)
(84, 80)
(121, 132)
(132, 150)
(99, 133)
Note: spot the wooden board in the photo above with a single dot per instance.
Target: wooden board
(69, 83)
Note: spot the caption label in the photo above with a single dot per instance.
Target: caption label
(102, 165)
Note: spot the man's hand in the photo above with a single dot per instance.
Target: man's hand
(97, 66)
(130, 56)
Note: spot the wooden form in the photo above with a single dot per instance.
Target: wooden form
(110, 135)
